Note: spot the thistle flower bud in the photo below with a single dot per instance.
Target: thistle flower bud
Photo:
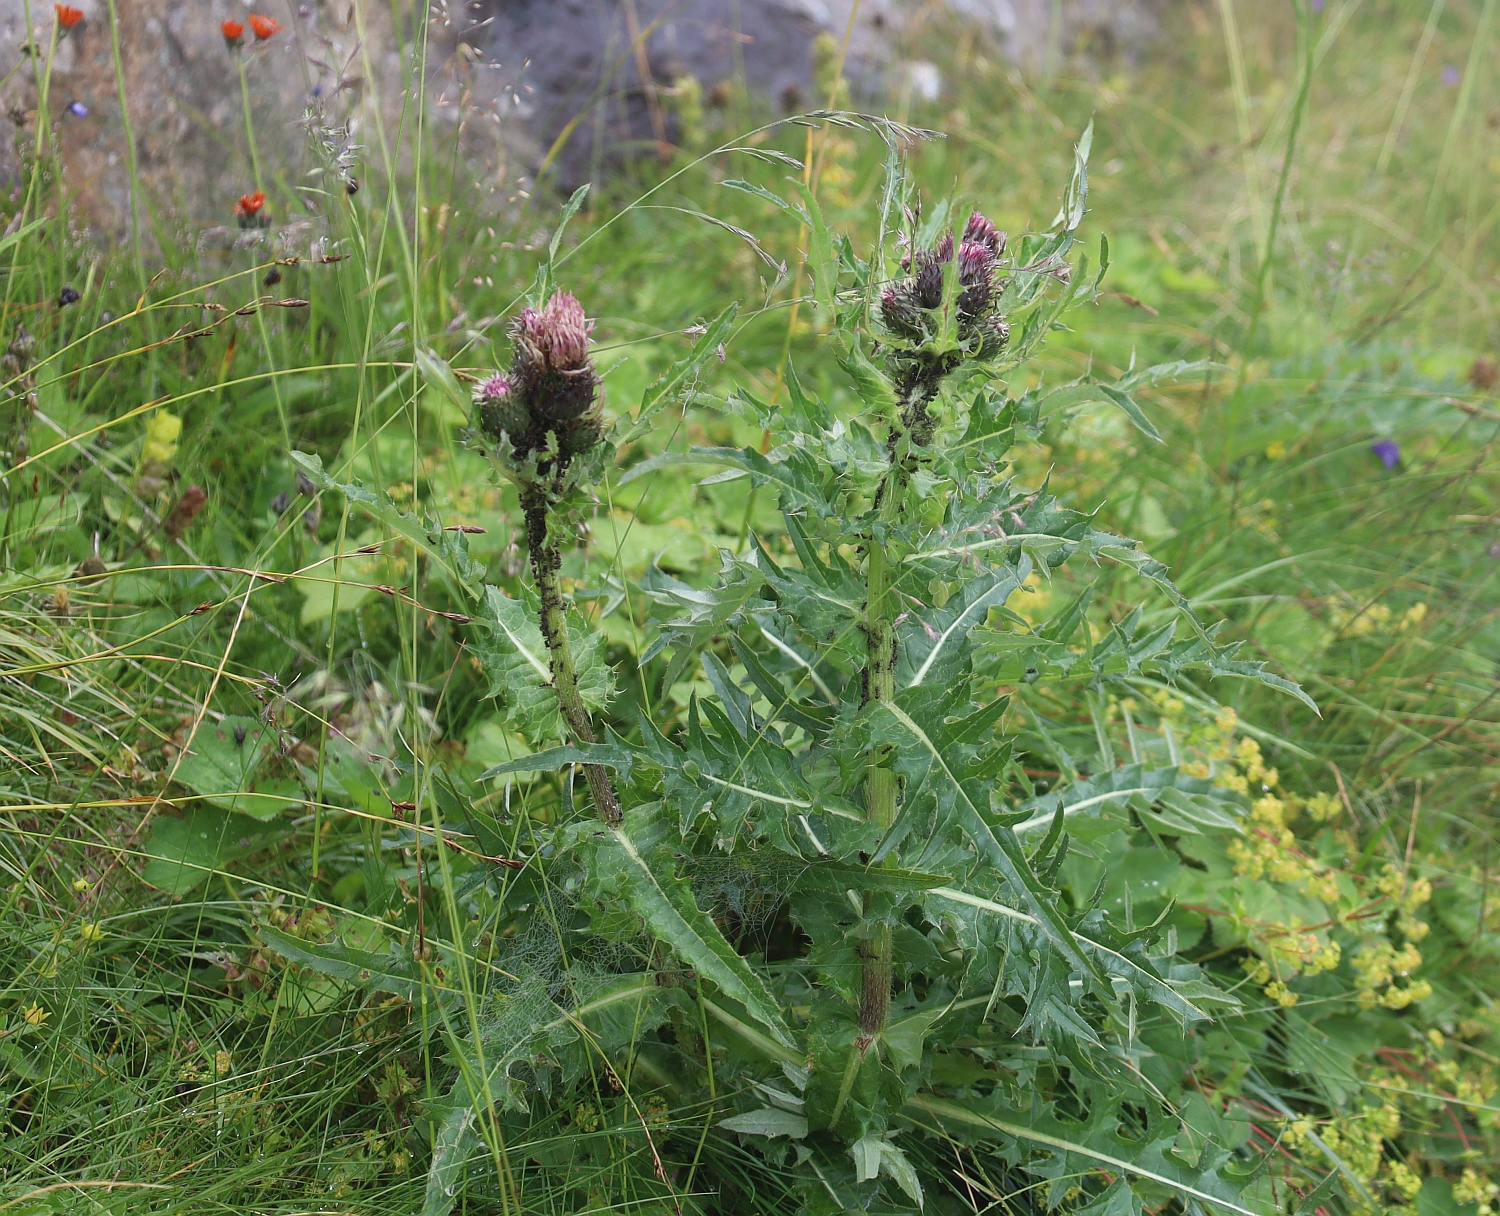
(552, 386)
(981, 231)
(500, 412)
(909, 309)
(904, 306)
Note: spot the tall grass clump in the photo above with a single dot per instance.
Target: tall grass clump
(811, 676)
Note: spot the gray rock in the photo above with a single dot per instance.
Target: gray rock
(576, 85)
(597, 69)
(599, 73)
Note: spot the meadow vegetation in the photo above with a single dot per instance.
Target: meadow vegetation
(744, 688)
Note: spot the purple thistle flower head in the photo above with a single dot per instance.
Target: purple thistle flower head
(499, 411)
(1389, 452)
(558, 336)
(982, 231)
(975, 262)
(902, 304)
(551, 389)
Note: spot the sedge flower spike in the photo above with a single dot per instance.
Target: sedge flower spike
(552, 387)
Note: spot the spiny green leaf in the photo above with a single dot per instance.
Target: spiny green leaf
(1150, 1161)
(646, 878)
(514, 657)
(1000, 847)
(768, 1121)
(391, 972)
(610, 755)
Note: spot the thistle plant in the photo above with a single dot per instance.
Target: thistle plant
(542, 424)
(860, 767)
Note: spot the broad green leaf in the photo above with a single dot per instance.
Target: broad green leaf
(183, 853)
(769, 1122)
(903, 1037)
(226, 763)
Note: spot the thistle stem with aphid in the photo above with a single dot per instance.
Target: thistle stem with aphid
(543, 415)
(546, 562)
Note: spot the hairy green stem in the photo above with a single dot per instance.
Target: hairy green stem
(546, 562)
(130, 158)
(880, 785)
(249, 121)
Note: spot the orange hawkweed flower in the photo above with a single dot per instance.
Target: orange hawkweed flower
(264, 27)
(233, 31)
(68, 16)
(250, 204)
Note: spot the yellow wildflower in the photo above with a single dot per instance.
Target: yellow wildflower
(1404, 1179)
(162, 433)
(1281, 994)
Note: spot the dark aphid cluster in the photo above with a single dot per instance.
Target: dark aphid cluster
(910, 310)
(552, 387)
